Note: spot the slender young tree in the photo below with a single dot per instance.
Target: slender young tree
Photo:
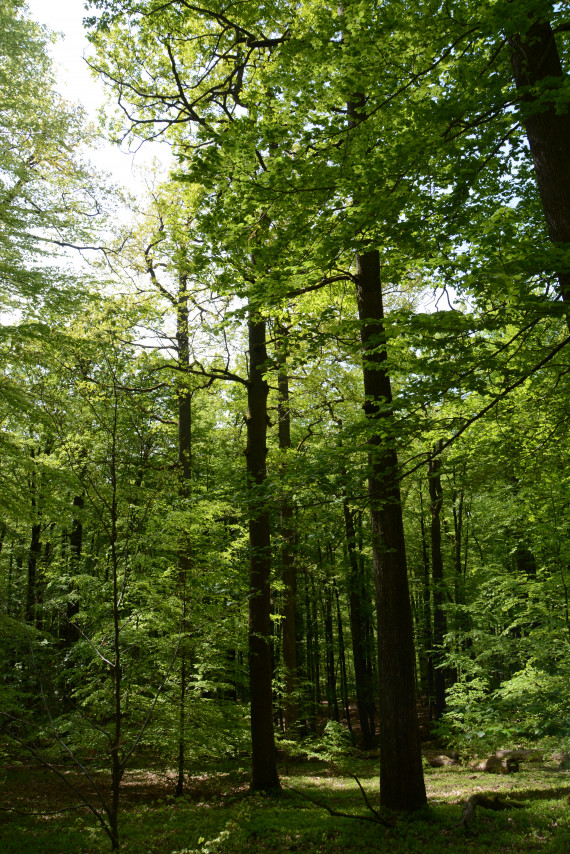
(438, 591)
(286, 515)
(264, 766)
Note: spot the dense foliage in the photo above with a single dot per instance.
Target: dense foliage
(163, 591)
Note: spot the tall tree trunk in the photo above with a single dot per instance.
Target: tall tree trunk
(287, 547)
(342, 660)
(316, 646)
(264, 766)
(439, 621)
(326, 600)
(540, 79)
(117, 767)
(356, 588)
(185, 493)
(370, 644)
(457, 539)
(427, 634)
(71, 633)
(34, 554)
(357, 631)
(309, 633)
(459, 527)
(34, 551)
(401, 774)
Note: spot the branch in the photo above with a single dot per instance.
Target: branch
(42, 812)
(341, 277)
(63, 777)
(213, 373)
(106, 250)
(368, 804)
(155, 700)
(376, 819)
(492, 404)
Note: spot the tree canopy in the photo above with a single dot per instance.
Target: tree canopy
(292, 448)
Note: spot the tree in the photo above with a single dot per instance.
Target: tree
(545, 112)
(425, 178)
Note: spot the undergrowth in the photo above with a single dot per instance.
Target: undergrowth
(217, 815)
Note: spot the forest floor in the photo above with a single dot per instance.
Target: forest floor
(217, 815)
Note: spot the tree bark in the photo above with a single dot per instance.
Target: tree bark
(342, 661)
(71, 633)
(310, 674)
(357, 625)
(401, 774)
(34, 554)
(439, 621)
(427, 634)
(287, 548)
(185, 493)
(326, 602)
(539, 78)
(264, 766)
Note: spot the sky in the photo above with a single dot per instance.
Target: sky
(76, 84)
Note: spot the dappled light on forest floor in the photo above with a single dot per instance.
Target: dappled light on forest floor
(217, 813)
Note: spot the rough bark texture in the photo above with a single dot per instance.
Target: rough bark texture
(401, 775)
(264, 767)
(539, 78)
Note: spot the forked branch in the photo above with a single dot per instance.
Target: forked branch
(376, 818)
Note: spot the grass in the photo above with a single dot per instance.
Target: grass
(217, 815)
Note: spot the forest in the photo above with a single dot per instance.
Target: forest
(284, 458)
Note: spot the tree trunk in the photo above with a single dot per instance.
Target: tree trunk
(71, 633)
(332, 702)
(401, 775)
(427, 634)
(357, 626)
(117, 768)
(539, 78)
(34, 551)
(316, 645)
(287, 549)
(439, 621)
(185, 493)
(264, 766)
(34, 554)
(311, 716)
(342, 660)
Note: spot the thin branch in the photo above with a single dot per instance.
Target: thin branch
(367, 802)
(331, 811)
(154, 702)
(62, 777)
(341, 277)
(42, 812)
(491, 405)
